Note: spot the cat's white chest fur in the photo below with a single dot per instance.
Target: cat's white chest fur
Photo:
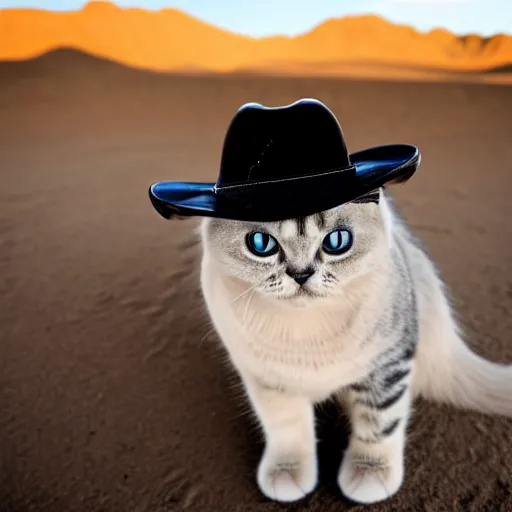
(309, 351)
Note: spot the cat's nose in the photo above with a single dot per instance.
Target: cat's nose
(300, 277)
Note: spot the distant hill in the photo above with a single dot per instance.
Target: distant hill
(169, 40)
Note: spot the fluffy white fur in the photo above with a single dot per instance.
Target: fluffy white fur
(376, 331)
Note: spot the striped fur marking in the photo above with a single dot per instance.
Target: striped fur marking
(389, 429)
(395, 377)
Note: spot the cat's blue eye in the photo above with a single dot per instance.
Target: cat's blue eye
(337, 242)
(262, 244)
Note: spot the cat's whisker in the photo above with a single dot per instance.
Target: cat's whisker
(247, 291)
(243, 293)
(243, 414)
(203, 339)
(247, 305)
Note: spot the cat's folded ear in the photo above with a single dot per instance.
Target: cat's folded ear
(370, 197)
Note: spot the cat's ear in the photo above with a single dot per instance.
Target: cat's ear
(373, 196)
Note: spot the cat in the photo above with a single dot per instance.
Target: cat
(345, 304)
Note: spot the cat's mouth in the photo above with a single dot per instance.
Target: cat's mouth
(301, 293)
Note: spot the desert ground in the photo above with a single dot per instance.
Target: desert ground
(114, 393)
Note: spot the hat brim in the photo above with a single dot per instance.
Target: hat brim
(375, 167)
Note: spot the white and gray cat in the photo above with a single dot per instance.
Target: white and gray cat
(342, 304)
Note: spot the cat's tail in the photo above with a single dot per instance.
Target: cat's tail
(447, 370)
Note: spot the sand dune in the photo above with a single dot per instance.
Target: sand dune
(52, 61)
(169, 40)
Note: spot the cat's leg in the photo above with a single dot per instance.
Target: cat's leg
(288, 468)
(373, 465)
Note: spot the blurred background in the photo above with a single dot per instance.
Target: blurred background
(114, 392)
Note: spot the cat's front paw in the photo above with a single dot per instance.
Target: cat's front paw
(368, 478)
(287, 477)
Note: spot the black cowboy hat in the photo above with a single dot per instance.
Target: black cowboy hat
(285, 162)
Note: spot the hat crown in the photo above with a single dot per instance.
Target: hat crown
(279, 143)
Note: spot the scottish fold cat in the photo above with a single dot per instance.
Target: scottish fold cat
(343, 304)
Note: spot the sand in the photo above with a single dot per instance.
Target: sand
(113, 396)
